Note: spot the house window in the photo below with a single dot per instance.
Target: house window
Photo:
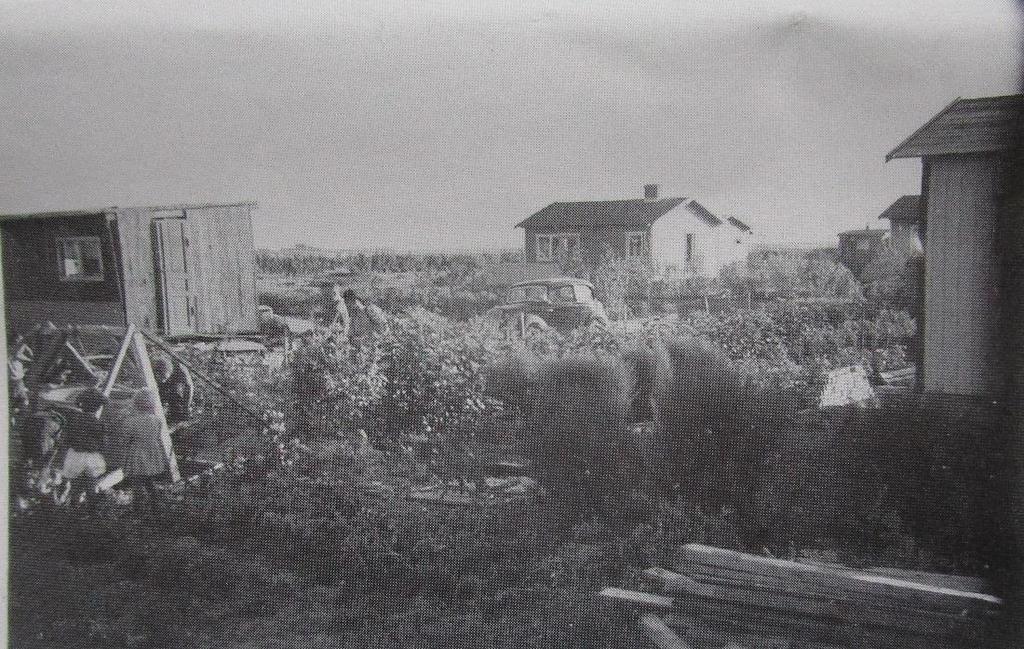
(80, 259)
(544, 247)
(557, 246)
(863, 244)
(635, 244)
(689, 246)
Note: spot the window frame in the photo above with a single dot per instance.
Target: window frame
(548, 255)
(643, 247)
(691, 245)
(62, 258)
(558, 241)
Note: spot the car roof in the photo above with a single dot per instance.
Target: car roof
(554, 281)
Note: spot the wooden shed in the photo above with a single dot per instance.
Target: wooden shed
(965, 219)
(178, 270)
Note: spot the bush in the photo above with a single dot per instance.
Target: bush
(578, 434)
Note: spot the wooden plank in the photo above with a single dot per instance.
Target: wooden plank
(660, 635)
(708, 560)
(81, 360)
(955, 582)
(142, 358)
(742, 623)
(830, 611)
(115, 369)
(135, 249)
(634, 598)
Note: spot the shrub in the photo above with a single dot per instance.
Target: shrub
(577, 433)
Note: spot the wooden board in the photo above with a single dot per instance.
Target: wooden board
(142, 359)
(635, 598)
(659, 634)
(138, 277)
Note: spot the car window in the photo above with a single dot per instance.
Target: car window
(563, 294)
(584, 293)
(529, 293)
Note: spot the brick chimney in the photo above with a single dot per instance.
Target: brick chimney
(650, 192)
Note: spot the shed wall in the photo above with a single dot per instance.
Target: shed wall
(222, 266)
(33, 289)
(961, 277)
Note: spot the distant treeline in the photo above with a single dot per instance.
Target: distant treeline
(300, 262)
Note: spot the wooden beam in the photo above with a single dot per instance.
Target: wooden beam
(81, 360)
(142, 358)
(659, 634)
(706, 563)
(122, 353)
(643, 600)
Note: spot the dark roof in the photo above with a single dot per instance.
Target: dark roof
(905, 209)
(738, 223)
(635, 213)
(966, 126)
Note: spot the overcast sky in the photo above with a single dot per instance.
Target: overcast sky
(372, 124)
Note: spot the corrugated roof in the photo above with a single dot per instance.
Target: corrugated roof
(905, 209)
(966, 126)
(634, 213)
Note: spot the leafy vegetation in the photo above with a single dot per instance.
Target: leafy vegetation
(683, 430)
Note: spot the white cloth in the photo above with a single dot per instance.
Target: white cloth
(77, 463)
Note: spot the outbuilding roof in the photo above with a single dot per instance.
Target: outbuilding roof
(115, 210)
(635, 213)
(966, 126)
(905, 209)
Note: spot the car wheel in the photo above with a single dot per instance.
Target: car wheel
(535, 325)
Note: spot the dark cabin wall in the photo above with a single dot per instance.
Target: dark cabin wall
(33, 289)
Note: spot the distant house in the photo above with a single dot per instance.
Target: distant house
(678, 236)
(177, 270)
(903, 216)
(965, 217)
(858, 247)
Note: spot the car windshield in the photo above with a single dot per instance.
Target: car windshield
(529, 293)
(563, 294)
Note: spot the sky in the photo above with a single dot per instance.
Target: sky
(440, 125)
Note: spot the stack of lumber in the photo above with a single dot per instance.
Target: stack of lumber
(723, 598)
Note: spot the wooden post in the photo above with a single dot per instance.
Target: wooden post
(115, 369)
(142, 358)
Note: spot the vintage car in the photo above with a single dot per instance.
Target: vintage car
(562, 303)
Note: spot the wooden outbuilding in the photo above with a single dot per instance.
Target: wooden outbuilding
(965, 220)
(177, 270)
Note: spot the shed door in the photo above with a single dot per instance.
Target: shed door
(171, 262)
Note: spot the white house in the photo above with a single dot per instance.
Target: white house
(678, 236)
